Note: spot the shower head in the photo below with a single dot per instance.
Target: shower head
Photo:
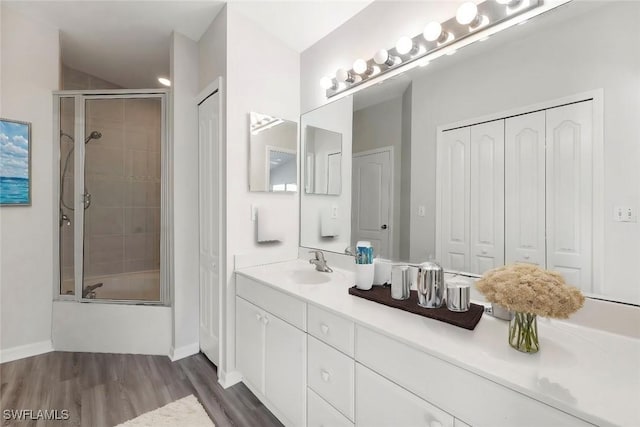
(94, 135)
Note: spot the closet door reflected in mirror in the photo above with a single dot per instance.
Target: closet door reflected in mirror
(273, 154)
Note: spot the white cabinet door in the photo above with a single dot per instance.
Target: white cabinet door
(322, 414)
(455, 158)
(487, 196)
(525, 188)
(250, 343)
(285, 384)
(379, 402)
(569, 192)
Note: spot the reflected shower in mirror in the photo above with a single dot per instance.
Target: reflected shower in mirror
(273, 154)
(323, 161)
(505, 152)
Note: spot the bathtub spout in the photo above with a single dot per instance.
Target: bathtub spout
(89, 291)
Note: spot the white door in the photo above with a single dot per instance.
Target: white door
(487, 196)
(209, 210)
(525, 188)
(285, 369)
(250, 343)
(455, 157)
(379, 402)
(371, 201)
(569, 192)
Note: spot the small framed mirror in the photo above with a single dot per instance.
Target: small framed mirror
(323, 161)
(272, 154)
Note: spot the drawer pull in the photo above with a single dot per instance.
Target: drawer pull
(324, 328)
(326, 376)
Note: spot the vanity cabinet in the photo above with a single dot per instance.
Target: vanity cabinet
(271, 354)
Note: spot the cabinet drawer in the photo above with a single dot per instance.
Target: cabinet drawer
(321, 414)
(287, 308)
(331, 375)
(474, 399)
(331, 328)
(379, 402)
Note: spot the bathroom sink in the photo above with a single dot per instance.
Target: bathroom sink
(308, 277)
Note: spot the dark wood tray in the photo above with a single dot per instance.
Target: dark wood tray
(382, 295)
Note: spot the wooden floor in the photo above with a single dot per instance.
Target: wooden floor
(106, 389)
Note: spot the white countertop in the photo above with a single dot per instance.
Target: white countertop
(591, 374)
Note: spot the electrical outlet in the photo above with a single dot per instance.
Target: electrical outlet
(421, 210)
(624, 214)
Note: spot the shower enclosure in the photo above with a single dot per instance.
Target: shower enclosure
(111, 185)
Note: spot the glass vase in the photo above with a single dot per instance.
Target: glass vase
(523, 332)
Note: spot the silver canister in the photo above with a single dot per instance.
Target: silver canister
(458, 296)
(400, 282)
(431, 287)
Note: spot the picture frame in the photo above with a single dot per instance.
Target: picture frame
(15, 163)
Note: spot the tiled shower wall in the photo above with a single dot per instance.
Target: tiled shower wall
(122, 225)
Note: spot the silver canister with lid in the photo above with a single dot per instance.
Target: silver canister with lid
(431, 286)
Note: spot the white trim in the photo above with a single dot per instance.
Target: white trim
(27, 350)
(209, 90)
(109, 92)
(184, 351)
(597, 97)
(388, 149)
(228, 379)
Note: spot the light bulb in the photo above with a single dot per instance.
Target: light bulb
(343, 76)
(433, 32)
(360, 66)
(326, 83)
(466, 13)
(404, 45)
(382, 57)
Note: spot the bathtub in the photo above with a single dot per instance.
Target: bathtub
(137, 286)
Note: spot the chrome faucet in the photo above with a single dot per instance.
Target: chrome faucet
(320, 262)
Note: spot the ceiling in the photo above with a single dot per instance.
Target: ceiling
(127, 42)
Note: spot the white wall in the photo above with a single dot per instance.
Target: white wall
(212, 47)
(338, 117)
(589, 54)
(185, 289)
(274, 90)
(30, 67)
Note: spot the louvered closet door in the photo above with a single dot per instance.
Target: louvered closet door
(525, 188)
(569, 192)
(455, 199)
(487, 196)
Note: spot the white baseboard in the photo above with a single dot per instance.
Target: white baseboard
(28, 350)
(184, 351)
(228, 379)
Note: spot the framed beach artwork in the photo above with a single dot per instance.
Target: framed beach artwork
(15, 163)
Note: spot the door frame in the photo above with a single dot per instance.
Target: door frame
(211, 89)
(387, 149)
(166, 174)
(596, 96)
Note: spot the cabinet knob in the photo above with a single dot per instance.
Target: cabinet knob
(526, 257)
(324, 328)
(325, 376)
(258, 317)
(484, 252)
(265, 320)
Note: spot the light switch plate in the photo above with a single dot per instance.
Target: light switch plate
(334, 211)
(624, 214)
(421, 210)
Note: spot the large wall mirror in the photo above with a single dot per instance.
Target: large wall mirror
(519, 148)
(323, 161)
(272, 154)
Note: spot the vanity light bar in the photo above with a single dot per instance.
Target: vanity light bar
(408, 50)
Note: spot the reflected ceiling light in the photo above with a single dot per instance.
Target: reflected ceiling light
(433, 32)
(165, 81)
(406, 46)
(467, 14)
(423, 62)
(382, 57)
(327, 83)
(452, 52)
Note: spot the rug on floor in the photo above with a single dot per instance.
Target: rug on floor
(186, 412)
